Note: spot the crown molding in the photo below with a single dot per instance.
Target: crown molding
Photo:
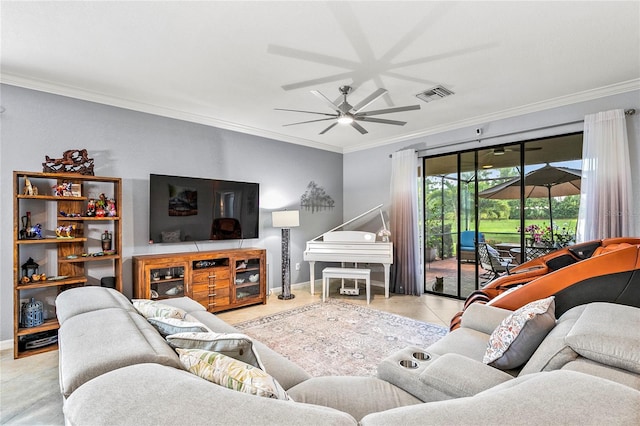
(561, 101)
(101, 98)
(76, 93)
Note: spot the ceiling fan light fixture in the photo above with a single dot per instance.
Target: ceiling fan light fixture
(498, 151)
(345, 119)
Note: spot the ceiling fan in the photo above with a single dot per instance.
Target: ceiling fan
(345, 113)
(501, 150)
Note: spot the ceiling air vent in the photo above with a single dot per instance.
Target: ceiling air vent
(434, 94)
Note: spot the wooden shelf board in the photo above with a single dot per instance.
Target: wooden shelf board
(50, 324)
(81, 259)
(52, 240)
(52, 283)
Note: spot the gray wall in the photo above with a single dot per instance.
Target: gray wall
(132, 145)
(367, 173)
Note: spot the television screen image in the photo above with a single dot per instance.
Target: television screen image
(200, 209)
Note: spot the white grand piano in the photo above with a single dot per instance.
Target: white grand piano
(350, 247)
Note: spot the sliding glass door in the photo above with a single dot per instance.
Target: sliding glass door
(504, 198)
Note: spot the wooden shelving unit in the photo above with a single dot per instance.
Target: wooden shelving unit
(67, 262)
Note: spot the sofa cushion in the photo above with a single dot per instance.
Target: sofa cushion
(518, 336)
(234, 345)
(556, 397)
(357, 396)
(231, 373)
(79, 300)
(151, 394)
(94, 343)
(609, 334)
(167, 326)
(152, 309)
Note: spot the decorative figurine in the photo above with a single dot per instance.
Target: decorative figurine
(28, 231)
(72, 161)
(29, 189)
(65, 231)
(111, 208)
(62, 189)
(101, 206)
(91, 208)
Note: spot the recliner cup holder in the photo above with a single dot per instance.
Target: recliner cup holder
(407, 363)
(421, 356)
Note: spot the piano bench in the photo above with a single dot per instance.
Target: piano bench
(345, 273)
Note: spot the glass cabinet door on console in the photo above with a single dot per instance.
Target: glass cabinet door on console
(247, 279)
(166, 281)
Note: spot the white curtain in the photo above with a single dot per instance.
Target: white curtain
(605, 198)
(406, 271)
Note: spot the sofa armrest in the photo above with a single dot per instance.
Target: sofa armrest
(483, 318)
(458, 376)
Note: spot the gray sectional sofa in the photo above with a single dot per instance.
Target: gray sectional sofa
(115, 368)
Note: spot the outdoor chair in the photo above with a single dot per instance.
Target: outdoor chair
(468, 245)
(493, 263)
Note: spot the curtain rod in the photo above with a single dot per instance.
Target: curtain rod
(627, 112)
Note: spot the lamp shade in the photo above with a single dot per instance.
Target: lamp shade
(285, 219)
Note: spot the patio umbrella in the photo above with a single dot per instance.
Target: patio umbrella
(546, 182)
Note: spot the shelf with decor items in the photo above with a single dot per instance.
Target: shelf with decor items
(219, 279)
(62, 239)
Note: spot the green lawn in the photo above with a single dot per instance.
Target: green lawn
(506, 230)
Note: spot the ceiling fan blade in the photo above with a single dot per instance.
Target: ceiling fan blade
(359, 128)
(310, 121)
(328, 128)
(326, 100)
(388, 110)
(369, 99)
(308, 112)
(381, 121)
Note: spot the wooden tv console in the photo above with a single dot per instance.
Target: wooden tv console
(219, 280)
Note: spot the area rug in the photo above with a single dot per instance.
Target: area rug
(338, 338)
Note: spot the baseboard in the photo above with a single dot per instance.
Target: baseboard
(6, 344)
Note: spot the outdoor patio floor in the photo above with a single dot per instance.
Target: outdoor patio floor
(448, 268)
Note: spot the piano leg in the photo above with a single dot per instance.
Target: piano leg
(387, 269)
(312, 276)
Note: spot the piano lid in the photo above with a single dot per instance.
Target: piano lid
(350, 236)
(365, 237)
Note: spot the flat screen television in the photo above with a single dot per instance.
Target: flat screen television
(199, 209)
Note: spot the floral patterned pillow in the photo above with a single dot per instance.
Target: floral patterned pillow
(231, 373)
(152, 309)
(518, 336)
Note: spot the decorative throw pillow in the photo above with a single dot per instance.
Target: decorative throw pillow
(231, 373)
(518, 336)
(152, 309)
(234, 345)
(167, 326)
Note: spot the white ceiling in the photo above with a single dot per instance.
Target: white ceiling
(230, 63)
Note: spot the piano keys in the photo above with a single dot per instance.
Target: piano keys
(349, 247)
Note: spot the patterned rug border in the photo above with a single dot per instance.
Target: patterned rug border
(318, 305)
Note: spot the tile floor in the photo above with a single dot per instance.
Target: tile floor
(30, 395)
